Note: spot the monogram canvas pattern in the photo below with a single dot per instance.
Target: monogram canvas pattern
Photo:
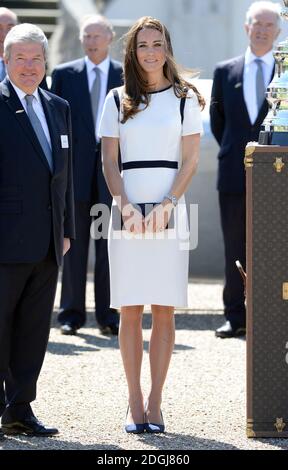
(267, 335)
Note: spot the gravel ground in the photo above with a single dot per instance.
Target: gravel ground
(82, 389)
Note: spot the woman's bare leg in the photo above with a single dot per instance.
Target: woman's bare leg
(131, 347)
(160, 351)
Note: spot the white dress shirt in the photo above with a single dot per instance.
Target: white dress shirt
(104, 70)
(37, 106)
(249, 79)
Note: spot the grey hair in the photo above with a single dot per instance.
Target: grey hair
(25, 32)
(96, 19)
(6, 11)
(256, 7)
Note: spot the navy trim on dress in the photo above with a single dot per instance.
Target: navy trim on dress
(182, 101)
(159, 91)
(149, 164)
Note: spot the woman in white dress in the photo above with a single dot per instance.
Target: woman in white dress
(155, 118)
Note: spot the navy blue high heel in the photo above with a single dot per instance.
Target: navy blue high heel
(154, 428)
(134, 428)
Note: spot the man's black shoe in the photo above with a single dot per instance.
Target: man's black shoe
(29, 426)
(68, 329)
(111, 329)
(2, 436)
(226, 331)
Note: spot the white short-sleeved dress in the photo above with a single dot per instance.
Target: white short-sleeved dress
(151, 269)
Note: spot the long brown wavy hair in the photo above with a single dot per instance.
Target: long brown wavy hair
(136, 89)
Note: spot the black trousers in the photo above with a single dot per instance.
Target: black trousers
(27, 293)
(233, 221)
(72, 304)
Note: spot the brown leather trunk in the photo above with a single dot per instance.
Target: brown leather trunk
(267, 290)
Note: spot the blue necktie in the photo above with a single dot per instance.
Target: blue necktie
(2, 70)
(36, 124)
(260, 84)
(95, 94)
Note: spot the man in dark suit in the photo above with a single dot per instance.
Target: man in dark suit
(84, 83)
(36, 221)
(238, 108)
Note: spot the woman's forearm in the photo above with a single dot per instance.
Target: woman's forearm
(188, 168)
(183, 179)
(110, 149)
(115, 182)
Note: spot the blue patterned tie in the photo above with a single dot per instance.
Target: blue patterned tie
(36, 124)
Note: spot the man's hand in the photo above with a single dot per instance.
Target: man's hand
(66, 245)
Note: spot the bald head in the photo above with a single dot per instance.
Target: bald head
(96, 35)
(263, 26)
(8, 19)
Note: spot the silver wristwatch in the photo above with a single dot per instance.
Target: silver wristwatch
(172, 198)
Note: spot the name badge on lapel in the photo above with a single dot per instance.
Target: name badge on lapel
(64, 142)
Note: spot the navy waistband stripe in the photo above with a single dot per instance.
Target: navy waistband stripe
(149, 164)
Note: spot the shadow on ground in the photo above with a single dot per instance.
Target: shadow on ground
(42, 443)
(195, 320)
(95, 342)
(167, 441)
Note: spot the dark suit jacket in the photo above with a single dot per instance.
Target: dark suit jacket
(70, 81)
(43, 84)
(231, 125)
(34, 205)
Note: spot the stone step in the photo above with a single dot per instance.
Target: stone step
(47, 28)
(41, 4)
(43, 13)
(34, 15)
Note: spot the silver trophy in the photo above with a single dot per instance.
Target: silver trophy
(274, 130)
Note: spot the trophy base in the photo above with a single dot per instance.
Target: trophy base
(273, 138)
(265, 138)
